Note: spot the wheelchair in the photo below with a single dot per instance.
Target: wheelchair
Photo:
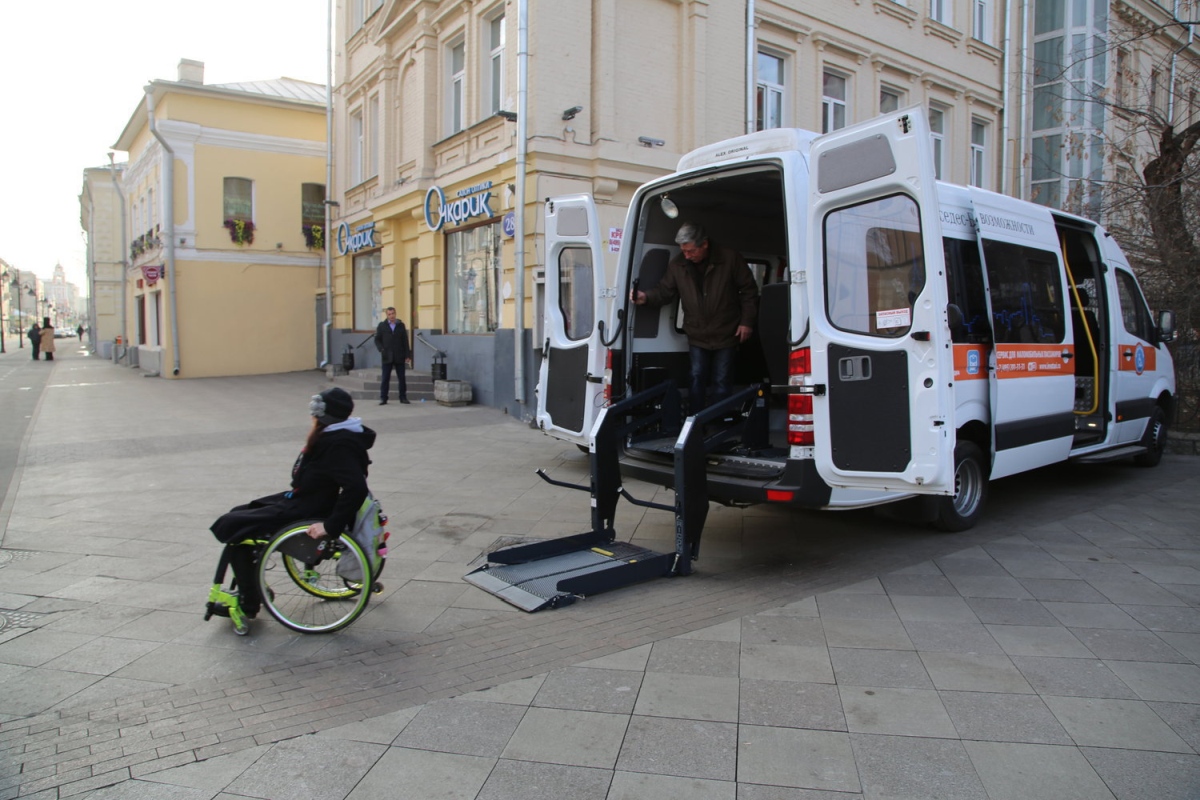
(308, 585)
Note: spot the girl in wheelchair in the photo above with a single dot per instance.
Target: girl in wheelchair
(329, 485)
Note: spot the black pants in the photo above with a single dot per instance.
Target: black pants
(386, 380)
(242, 559)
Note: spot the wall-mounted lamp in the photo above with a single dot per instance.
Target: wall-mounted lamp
(650, 142)
(571, 112)
(511, 116)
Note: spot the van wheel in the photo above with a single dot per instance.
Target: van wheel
(1154, 440)
(962, 511)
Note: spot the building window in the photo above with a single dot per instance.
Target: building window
(939, 11)
(889, 101)
(494, 79)
(1121, 88)
(456, 60)
(357, 132)
(833, 102)
(937, 130)
(980, 14)
(1045, 170)
(769, 92)
(978, 153)
(374, 140)
(368, 290)
(239, 199)
(472, 280)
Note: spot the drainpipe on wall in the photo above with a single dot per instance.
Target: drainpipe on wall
(1004, 92)
(519, 215)
(751, 57)
(124, 264)
(1020, 154)
(169, 214)
(327, 327)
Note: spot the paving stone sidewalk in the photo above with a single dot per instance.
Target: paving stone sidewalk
(1052, 652)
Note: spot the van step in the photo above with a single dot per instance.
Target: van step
(560, 580)
(1129, 451)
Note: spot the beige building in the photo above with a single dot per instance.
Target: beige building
(222, 188)
(100, 218)
(618, 90)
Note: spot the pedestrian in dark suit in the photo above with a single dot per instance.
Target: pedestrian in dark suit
(391, 340)
(35, 338)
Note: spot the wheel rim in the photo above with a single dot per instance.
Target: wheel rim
(968, 487)
(310, 598)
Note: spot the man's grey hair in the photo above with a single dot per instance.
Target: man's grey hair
(691, 233)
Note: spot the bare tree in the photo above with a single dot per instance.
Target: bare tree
(1144, 179)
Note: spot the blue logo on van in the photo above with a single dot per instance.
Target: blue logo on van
(972, 362)
(1139, 360)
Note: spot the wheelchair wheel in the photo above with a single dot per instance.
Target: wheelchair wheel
(309, 591)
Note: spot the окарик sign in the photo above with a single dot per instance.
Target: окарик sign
(473, 201)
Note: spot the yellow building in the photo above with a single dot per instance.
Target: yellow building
(223, 187)
(426, 135)
(100, 217)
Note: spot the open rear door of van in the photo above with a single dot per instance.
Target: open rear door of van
(1032, 370)
(881, 358)
(570, 381)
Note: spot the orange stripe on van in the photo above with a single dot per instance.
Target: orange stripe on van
(1137, 358)
(1033, 360)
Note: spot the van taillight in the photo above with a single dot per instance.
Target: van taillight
(608, 377)
(800, 406)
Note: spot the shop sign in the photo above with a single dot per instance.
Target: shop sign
(363, 237)
(152, 272)
(472, 201)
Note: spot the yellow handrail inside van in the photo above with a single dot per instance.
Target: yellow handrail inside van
(1091, 340)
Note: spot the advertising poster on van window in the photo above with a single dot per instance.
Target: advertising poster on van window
(1033, 360)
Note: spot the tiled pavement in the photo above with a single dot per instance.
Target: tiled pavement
(1051, 652)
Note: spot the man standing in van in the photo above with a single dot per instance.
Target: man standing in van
(720, 304)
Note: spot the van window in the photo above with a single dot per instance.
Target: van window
(1026, 293)
(575, 299)
(874, 266)
(1134, 313)
(964, 283)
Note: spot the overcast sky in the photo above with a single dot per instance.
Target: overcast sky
(72, 73)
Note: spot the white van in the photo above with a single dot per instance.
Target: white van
(914, 337)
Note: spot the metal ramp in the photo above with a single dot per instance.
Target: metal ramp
(555, 573)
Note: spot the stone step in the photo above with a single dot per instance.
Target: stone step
(363, 384)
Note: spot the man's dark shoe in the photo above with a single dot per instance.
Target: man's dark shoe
(404, 400)
(383, 402)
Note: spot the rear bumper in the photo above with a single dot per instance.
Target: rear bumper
(798, 478)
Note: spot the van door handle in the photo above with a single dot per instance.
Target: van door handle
(1067, 355)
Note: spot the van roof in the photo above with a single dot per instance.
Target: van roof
(740, 148)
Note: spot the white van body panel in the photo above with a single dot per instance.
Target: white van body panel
(874, 343)
(570, 379)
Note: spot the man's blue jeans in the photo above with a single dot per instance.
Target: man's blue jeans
(709, 367)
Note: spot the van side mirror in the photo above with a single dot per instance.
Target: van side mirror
(1166, 326)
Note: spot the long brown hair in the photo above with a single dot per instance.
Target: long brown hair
(317, 428)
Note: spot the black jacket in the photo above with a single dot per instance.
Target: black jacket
(717, 296)
(329, 483)
(392, 345)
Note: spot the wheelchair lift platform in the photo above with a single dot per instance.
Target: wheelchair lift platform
(557, 572)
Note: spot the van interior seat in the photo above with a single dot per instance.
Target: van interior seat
(650, 273)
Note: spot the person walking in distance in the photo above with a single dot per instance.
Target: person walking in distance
(35, 338)
(391, 340)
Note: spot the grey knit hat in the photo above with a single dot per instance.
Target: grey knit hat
(332, 405)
